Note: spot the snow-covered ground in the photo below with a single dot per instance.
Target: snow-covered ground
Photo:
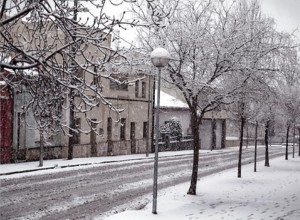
(271, 193)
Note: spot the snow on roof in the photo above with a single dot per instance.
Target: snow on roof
(169, 101)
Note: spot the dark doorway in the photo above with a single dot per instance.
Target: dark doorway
(93, 138)
(21, 136)
(109, 131)
(132, 137)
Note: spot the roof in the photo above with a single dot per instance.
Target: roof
(168, 101)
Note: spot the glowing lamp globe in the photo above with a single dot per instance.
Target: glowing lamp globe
(160, 57)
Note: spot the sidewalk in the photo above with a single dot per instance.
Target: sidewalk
(271, 193)
(26, 167)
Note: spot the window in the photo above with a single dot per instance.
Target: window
(109, 128)
(123, 129)
(145, 129)
(101, 131)
(77, 133)
(143, 89)
(132, 130)
(93, 137)
(94, 124)
(116, 85)
(96, 78)
(137, 88)
(80, 73)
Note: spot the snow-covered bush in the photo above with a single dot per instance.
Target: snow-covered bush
(173, 128)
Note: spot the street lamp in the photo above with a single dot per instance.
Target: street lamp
(159, 58)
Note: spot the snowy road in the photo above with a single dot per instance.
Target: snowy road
(96, 192)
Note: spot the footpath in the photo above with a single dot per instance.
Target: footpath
(272, 193)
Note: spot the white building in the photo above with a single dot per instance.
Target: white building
(212, 129)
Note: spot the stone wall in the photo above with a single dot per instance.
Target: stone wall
(176, 145)
(236, 143)
(58, 152)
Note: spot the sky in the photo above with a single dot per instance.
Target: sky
(285, 12)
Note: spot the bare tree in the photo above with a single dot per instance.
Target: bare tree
(290, 105)
(211, 44)
(287, 85)
(67, 43)
(248, 107)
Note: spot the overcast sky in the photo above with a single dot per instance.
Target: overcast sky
(285, 12)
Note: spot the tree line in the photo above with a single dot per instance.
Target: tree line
(225, 55)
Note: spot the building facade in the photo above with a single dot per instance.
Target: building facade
(115, 133)
(103, 131)
(212, 129)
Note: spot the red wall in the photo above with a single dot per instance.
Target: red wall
(5, 124)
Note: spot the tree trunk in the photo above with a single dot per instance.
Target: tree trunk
(299, 142)
(223, 133)
(267, 125)
(294, 131)
(255, 146)
(195, 130)
(241, 147)
(72, 128)
(41, 148)
(287, 142)
(247, 133)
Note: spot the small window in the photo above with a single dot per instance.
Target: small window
(109, 128)
(80, 73)
(137, 83)
(145, 130)
(96, 80)
(143, 89)
(117, 86)
(123, 129)
(101, 131)
(77, 134)
(94, 123)
(96, 77)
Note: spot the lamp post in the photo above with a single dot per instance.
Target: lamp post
(159, 58)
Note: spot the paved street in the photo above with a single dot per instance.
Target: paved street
(98, 191)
